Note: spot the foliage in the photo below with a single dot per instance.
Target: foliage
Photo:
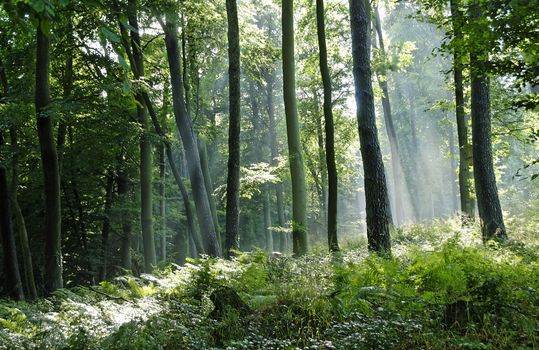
(453, 294)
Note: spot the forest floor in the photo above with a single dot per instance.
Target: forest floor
(442, 289)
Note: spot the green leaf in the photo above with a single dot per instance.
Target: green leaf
(110, 35)
(126, 86)
(123, 62)
(38, 5)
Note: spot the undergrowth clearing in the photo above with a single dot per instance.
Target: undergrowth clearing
(442, 289)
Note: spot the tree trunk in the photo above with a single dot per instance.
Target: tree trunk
(322, 183)
(390, 128)
(453, 163)
(267, 221)
(13, 278)
(175, 172)
(146, 195)
(467, 203)
(233, 178)
(49, 159)
(184, 124)
(297, 172)
(105, 230)
(162, 204)
(330, 133)
(488, 203)
(204, 163)
(376, 197)
(274, 148)
(20, 225)
(124, 189)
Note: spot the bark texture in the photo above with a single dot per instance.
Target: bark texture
(297, 171)
(329, 129)
(233, 178)
(467, 203)
(49, 159)
(488, 203)
(376, 197)
(184, 124)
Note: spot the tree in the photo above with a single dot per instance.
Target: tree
(329, 129)
(467, 204)
(13, 280)
(146, 194)
(233, 179)
(488, 203)
(376, 197)
(49, 160)
(184, 124)
(20, 225)
(390, 127)
(299, 192)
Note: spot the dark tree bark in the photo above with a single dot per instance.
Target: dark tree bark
(467, 203)
(13, 277)
(49, 159)
(233, 178)
(488, 203)
(20, 225)
(146, 162)
(295, 153)
(329, 129)
(184, 124)
(390, 128)
(376, 197)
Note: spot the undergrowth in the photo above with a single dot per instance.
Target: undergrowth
(442, 289)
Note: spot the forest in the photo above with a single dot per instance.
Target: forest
(269, 174)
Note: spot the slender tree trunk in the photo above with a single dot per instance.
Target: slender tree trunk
(376, 197)
(124, 189)
(162, 203)
(452, 154)
(295, 153)
(175, 171)
(390, 128)
(20, 225)
(105, 230)
(330, 133)
(49, 158)
(67, 85)
(233, 178)
(274, 148)
(146, 195)
(184, 124)
(267, 221)
(13, 278)
(201, 143)
(467, 202)
(488, 203)
(204, 163)
(181, 241)
(322, 183)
